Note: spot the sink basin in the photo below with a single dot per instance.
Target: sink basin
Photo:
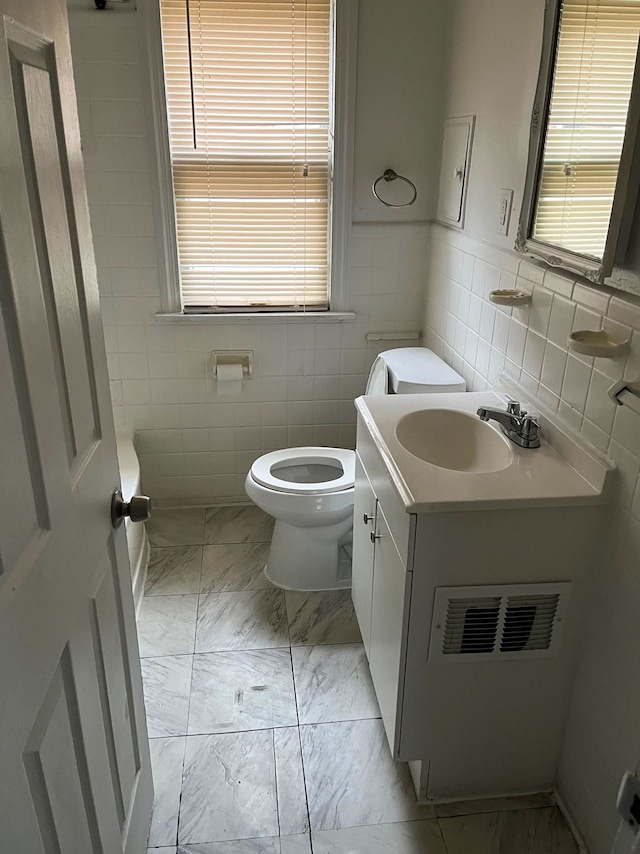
(441, 457)
(454, 440)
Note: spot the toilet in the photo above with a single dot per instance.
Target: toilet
(310, 491)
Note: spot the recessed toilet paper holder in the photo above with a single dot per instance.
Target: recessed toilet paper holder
(232, 357)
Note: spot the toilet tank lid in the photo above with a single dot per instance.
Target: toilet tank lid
(419, 370)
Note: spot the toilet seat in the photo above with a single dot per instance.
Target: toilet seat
(262, 470)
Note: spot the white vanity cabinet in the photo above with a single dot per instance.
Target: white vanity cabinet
(470, 725)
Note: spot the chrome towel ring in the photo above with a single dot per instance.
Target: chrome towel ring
(390, 175)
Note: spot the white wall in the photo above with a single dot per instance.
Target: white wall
(493, 73)
(194, 444)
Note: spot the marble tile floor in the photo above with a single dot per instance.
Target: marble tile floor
(264, 729)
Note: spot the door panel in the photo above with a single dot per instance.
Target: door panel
(48, 184)
(25, 517)
(362, 564)
(56, 765)
(75, 775)
(113, 669)
(391, 593)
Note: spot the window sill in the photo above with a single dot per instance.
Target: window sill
(259, 317)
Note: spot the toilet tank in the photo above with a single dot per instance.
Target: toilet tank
(412, 370)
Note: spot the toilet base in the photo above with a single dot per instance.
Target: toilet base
(310, 558)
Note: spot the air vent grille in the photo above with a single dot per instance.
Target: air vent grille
(507, 621)
(529, 622)
(471, 625)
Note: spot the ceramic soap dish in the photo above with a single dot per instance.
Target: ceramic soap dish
(510, 297)
(600, 344)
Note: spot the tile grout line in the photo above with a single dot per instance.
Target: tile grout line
(304, 782)
(184, 756)
(195, 634)
(444, 841)
(299, 735)
(275, 779)
(298, 730)
(299, 726)
(186, 735)
(495, 811)
(505, 812)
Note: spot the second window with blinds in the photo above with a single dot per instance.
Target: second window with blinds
(248, 93)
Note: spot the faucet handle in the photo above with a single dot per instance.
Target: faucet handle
(530, 426)
(513, 407)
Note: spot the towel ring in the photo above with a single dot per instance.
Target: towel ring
(390, 175)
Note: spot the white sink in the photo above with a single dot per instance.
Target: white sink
(441, 456)
(454, 440)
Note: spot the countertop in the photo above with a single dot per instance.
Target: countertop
(535, 477)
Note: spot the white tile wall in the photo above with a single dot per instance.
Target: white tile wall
(195, 444)
(479, 339)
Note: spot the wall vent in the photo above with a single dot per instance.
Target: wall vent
(505, 622)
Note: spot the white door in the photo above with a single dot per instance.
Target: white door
(74, 763)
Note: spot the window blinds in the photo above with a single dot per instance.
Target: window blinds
(248, 98)
(594, 66)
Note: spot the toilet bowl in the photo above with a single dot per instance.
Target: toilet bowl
(309, 491)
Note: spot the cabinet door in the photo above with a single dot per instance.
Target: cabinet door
(364, 508)
(391, 591)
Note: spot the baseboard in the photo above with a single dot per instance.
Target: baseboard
(582, 847)
(185, 503)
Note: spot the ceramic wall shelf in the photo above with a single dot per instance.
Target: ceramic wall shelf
(600, 344)
(509, 297)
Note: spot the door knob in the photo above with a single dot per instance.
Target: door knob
(138, 509)
(373, 537)
(366, 519)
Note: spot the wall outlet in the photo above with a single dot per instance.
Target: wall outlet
(504, 212)
(628, 802)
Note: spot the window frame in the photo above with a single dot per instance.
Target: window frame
(611, 269)
(342, 128)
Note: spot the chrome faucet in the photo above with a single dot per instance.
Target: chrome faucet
(521, 428)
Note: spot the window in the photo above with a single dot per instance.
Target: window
(249, 119)
(579, 180)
